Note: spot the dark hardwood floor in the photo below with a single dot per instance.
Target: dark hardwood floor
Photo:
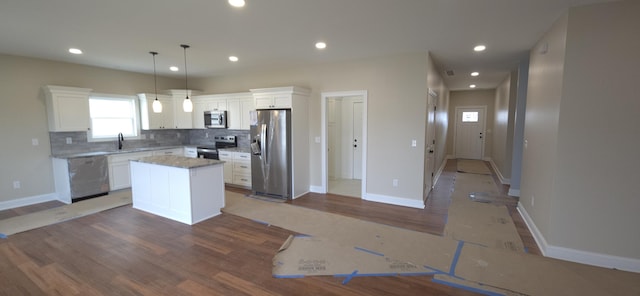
(124, 251)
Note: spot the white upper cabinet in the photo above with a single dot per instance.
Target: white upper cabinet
(271, 101)
(182, 120)
(239, 106)
(150, 120)
(67, 108)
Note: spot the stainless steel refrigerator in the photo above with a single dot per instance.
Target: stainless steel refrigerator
(271, 153)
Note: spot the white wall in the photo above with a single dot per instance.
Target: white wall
(582, 123)
(504, 111)
(397, 92)
(23, 116)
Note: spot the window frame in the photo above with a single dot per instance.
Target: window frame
(116, 97)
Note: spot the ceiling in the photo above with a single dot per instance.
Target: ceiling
(268, 34)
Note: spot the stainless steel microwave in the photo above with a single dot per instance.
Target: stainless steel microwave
(215, 119)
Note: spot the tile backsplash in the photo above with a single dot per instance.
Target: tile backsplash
(152, 138)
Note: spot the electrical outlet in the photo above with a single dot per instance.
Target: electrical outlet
(414, 143)
(206, 135)
(16, 184)
(152, 136)
(395, 182)
(69, 140)
(143, 136)
(526, 143)
(317, 139)
(178, 135)
(35, 142)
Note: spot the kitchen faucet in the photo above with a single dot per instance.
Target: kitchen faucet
(120, 140)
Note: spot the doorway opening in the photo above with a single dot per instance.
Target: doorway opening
(344, 143)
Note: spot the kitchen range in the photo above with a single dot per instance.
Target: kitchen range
(211, 151)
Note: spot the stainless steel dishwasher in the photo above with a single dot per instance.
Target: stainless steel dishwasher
(88, 177)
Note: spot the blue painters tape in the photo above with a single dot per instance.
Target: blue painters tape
(295, 276)
(452, 269)
(472, 289)
(526, 250)
(369, 251)
(301, 235)
(346, 280)
(261, 222)
(2, 235)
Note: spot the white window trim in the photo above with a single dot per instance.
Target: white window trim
(138, 135)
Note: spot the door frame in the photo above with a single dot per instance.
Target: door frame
(484, 128)
(323, 139)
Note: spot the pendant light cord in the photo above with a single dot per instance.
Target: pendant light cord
(155, 82)
(186, 85)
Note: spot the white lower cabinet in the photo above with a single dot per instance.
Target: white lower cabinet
(119, 169)
(237, 168)
(227, 157)
(242, 169)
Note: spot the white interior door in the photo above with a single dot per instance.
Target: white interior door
(430, 159)
(470, 135)
(357, 140)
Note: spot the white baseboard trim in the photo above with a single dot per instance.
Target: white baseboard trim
(439, 172)
(514, 192)
(579, 256)
(317, 189)
(398, 201)
(27, 201)
(503, 180)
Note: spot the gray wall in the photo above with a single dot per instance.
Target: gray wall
(581, 163)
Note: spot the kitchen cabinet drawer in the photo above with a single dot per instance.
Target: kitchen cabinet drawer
(242, 180)
(225, 155)
(191, 152)
(242, 167)
(174, 151)
(242, 156)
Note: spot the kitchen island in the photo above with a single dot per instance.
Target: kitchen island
(187, 190)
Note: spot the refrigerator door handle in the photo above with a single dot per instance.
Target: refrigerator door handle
(263, 146)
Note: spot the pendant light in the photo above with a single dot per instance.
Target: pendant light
(157, 106)
(187, 105)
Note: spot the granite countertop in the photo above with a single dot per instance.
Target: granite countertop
(99, 153)
(179, 161)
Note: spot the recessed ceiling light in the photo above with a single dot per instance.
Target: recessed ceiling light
(174, 68)
(236, 3)
(233, 58)
(75, 51)
(480, 47)
(475, 73)
(472, 86)
(321, 45)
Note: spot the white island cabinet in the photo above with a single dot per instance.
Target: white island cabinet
(187, 190)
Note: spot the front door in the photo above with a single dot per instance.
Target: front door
(470, 134)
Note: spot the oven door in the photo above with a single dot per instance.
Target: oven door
(208, 153)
